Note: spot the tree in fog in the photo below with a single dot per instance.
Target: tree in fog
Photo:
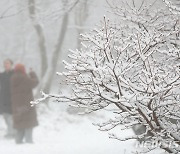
(48, 69)
(132, 66)
(66, 6)
(33, 36)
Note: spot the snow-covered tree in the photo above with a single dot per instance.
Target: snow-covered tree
(133, 66)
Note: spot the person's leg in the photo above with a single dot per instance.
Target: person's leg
(19, 136)
(9, 123)
(28, 135)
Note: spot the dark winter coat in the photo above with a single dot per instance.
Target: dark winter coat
(5, 94)
(24, 116)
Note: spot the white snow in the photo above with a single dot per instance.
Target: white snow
(62, 133)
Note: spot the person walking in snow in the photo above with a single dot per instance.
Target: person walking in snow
(24, 116)
(5, 96)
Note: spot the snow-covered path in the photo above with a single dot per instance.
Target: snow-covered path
(63, 133)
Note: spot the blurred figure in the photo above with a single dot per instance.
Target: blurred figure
(5, 96)
(24, 116)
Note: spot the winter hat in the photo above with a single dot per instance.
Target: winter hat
(20, 68)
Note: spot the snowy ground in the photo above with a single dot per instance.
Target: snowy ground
(63, 133)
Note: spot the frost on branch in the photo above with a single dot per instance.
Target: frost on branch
(134, 66)
(37, 101)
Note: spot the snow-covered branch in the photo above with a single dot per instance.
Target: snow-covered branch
(133, 66)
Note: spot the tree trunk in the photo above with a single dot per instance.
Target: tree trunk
(80, 18)
(41, 38)
(56, 53)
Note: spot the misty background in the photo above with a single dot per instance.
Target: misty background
(39, 34)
